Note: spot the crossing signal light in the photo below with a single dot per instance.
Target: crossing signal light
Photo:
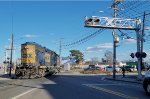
(96, 20)
(90, 20)
(138, 54)
(132, 55)
(144, 55)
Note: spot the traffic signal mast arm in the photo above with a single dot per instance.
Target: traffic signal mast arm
(111, 23)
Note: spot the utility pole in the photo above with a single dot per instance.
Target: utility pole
(11, 54)
(60, 51)
(138, 49)
(114, 41)
(142, 35)
(5, 64)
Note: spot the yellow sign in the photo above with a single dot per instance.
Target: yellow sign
(28, 54)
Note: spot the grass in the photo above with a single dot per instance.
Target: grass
(95, 72)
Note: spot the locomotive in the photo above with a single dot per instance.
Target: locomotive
(37, 61)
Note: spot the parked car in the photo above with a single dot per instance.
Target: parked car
(118, 69)
(110, 68)
(102, 68)
(92, 67)
(130, 68)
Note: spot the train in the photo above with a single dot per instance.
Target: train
(37, 61)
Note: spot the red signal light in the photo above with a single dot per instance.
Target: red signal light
(90, 20)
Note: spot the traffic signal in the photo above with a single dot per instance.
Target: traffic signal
(144, 55)
(138, 54)
(90, 20)
(96, 20)
(132, 55)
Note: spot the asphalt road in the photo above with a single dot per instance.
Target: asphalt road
(71, 87)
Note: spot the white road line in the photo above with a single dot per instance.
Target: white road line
(16, 97)
(100, 84)
(112, 92)
(123, 83)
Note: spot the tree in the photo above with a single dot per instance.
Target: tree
(94, 60)
(103, 60)
(109, 57)
(78, 55)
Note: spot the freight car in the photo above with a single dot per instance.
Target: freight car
(36, 61)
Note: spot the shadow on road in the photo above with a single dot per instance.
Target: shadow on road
(71, 87)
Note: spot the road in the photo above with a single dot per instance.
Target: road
(67, 86)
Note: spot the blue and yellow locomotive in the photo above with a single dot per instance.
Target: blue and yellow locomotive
(36, 60)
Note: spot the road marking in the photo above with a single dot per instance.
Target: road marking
(100, 84)
(112, 92)
(16, 97)
(124, 83)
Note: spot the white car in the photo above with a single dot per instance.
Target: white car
(110, 68)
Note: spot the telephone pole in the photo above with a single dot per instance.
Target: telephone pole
(11, 54)
(60, 49)
(114, 41)
(143, 28)
(142, 35)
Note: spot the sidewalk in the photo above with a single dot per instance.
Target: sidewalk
(3, 76)
(127, 78)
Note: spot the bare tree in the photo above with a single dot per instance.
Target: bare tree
(109, 57)
(94, 60)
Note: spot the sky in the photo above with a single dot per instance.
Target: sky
(46, 22)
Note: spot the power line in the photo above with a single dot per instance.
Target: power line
(85, 39)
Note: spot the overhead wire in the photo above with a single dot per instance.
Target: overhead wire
(131, 7)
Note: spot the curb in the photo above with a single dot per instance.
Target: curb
(138, 82)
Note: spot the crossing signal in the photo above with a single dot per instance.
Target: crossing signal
(138, 54)
(90, 20)
(144, 55)
(132, 55)
(96, 20)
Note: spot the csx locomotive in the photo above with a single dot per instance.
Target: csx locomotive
(36, 61)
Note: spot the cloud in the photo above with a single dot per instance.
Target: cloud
(129, 41)
(31, 36)
(99, 47)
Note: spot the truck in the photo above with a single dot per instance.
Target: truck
(146, 82)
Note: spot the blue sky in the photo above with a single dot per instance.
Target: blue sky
(47, 22)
